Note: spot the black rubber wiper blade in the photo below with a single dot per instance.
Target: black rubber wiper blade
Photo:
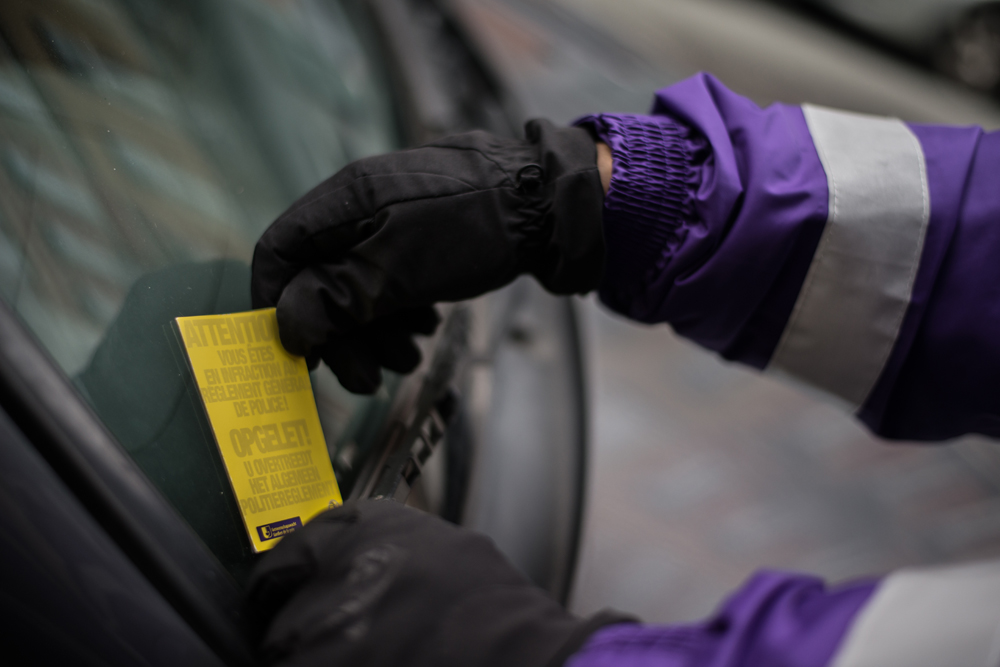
(411, 438)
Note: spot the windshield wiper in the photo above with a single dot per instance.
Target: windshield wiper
(418, 426)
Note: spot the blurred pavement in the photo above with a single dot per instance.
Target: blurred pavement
(703, 472)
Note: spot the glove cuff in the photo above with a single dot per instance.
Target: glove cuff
(511, 625)
(571, 259)
(583, 632)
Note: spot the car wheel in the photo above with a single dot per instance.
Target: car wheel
(513, 461)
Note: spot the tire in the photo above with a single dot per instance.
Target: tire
(513, 463)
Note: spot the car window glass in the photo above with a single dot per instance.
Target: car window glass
(144, 146)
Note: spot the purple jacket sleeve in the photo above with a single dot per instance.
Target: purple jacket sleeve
(755, 233)
(918, 617)
(775, 619)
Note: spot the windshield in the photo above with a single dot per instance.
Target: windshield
(144, 146)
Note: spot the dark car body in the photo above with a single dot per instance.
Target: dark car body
(145, 145)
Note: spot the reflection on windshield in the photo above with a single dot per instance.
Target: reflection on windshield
(144, 145)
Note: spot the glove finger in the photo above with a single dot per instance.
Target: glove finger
(391, 337)
(353, 362)
(396, 351)
(297, 558)
(420, 320)
(312, 361)
(271, 271)
(326, 300)
(322, 225)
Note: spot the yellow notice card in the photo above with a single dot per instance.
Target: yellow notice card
(261, 407)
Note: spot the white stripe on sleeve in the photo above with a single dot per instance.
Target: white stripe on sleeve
(852, 302)
(934, 617)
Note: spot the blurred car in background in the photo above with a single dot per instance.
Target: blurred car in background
(144, 146)
(959, 37)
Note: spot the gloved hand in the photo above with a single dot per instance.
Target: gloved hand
(378, 583)
(355, 266)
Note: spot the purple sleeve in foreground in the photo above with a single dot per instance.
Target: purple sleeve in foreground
(776, 619)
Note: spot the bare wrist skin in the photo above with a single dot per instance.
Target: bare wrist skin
(604, 164)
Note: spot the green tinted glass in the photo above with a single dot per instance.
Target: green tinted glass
(144, 146)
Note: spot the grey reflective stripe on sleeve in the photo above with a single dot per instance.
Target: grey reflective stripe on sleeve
(935, 617)
(851, 305)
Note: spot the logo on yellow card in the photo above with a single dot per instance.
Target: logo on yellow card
(271, 531)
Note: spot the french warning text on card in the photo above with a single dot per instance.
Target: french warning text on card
(260, 406)
(254, 327)
(259, 402)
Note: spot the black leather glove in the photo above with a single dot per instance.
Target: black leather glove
(355, 266)
(378, 583)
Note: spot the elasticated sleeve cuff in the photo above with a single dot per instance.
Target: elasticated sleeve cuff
(648, 207)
